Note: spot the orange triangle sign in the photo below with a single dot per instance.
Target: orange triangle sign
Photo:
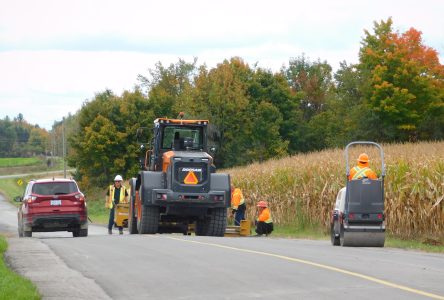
(191, 178)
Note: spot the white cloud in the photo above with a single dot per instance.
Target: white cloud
(55, 54)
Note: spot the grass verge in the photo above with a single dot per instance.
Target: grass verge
(10, 188)
(39, 166)
(19, 161)
(12, 285)
(97, 211)
(413, 245)
(95, 200)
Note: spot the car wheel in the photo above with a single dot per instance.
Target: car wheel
(20, 229)
(83, 232)
(341, 236)
(27, 233)
(335, 241)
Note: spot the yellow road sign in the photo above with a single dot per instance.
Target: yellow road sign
(20, 182)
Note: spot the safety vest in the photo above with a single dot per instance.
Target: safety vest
(360, 172)
(110, 199)
(237, 198)
(265, 216)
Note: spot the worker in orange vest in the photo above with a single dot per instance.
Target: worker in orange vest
(116, 194)
(264, 223)
(237, 205)
(362, 169)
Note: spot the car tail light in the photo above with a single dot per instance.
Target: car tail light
(80, 197)
(380, 216)
(201, 197)
(351, 216)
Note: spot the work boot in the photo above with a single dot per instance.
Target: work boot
(110, 231)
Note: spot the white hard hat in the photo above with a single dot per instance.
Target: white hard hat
(118, 178)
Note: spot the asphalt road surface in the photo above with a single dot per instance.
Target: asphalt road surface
(170, 266)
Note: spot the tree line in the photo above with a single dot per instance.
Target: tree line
(395, 93)
(18, 138)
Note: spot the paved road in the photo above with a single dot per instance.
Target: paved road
(189, 267)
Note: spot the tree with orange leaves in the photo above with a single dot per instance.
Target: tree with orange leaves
(406, 84)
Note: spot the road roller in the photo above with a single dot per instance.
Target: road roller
(358, 217)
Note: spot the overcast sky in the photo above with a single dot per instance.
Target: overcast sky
(56, 54)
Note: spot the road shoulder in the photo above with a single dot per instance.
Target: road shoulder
(54, 279)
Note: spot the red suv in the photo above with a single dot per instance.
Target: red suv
(52, 205)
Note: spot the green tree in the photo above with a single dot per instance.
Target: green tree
(312, 81)
(274, 88)
(169, 88)
(222, 91)
(265, 140)
(405, 83)
(105, 143)
(38, 142)
(8, 137)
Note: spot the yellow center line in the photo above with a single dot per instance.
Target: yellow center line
(322, 266)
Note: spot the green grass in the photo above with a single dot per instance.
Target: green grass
(39, 166)
(97, 211)
(288, 231)
(413, 245)
(19, 161)
(13, 286)
(95, 201)
(10, 188)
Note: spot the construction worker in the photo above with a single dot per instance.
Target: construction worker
(116, 194)
(237, 205)
(362, 169)
(264, 223)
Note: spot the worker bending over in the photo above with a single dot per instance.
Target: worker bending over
(264, 223)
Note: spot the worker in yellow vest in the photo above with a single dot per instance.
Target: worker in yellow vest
(237, 205)
(362, 169)
(116, 194)
(264, 223)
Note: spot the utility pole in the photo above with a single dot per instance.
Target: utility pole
(64, 148)
(53, 154)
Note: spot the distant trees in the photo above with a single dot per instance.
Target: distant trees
(21, 139)
(394, 93)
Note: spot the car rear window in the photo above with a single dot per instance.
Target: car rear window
(54, 188)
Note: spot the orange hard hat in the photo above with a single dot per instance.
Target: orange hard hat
(262, 204)
(363, 157)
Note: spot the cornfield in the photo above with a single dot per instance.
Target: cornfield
(302, 189)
